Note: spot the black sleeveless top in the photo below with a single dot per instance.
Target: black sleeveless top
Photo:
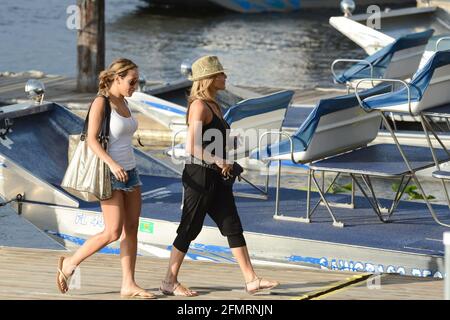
(219, 124)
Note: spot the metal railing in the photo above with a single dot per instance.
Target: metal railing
(351, 60)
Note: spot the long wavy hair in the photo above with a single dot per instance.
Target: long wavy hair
(119, 67)
(201, 90)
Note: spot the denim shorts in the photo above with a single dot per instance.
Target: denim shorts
(133, 181)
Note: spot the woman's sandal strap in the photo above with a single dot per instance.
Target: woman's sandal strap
(172, 285)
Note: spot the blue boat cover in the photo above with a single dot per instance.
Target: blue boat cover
(256, 106)
(164, 107)
(418, 85)
(296, 115)
(382, 160)
(302, 138)
(380, 60)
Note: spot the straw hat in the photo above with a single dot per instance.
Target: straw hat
(205, 67)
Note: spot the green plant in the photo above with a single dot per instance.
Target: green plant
(341, 189)
(411, 192)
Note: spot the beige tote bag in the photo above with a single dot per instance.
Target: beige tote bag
(87, 177)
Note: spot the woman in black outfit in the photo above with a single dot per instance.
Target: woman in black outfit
(203, 189)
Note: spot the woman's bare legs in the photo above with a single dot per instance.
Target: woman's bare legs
(112, 216)
(175, 261)
(243, 258)
(128, 243)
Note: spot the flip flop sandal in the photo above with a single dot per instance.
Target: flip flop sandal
(173, 292)
(65, 279)
(259, 288)
(140, 294)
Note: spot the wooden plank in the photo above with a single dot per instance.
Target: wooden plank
(392, 287)
(31, 273)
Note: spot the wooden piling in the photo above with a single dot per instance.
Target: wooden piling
(90, 44)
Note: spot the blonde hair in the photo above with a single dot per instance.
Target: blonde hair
(201, 90)
(117, 67)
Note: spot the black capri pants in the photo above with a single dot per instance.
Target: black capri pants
(204, 193)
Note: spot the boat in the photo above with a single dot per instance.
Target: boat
(258, 6)
(393, 24)
(33, 159)
(256, 112)
(167, 103)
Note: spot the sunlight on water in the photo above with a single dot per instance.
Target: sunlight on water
(272, 50)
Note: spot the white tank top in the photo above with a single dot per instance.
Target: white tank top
(121, 130)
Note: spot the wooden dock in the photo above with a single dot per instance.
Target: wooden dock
(31, 274)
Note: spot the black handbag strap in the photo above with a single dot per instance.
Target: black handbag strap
(203, 163)
(194, 185)
(235, 171)
(104, 133)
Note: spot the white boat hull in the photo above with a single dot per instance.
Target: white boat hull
(155, 238)
(257, 6)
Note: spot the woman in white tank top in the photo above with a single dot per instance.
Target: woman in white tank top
(122, 128)
(121, 212)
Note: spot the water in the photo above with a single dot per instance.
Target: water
(292, 50)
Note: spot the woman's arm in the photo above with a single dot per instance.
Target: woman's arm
(94, 127)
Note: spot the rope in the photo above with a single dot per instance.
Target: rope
(18, 198)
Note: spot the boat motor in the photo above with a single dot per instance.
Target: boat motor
(186, 68)
(347, 7)
(35, 90)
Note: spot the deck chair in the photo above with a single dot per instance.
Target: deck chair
(249, 118)
(334, 126)
(398, 60)
(427, 95)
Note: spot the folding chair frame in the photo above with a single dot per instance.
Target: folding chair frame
(311, 178)
(405, 159)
